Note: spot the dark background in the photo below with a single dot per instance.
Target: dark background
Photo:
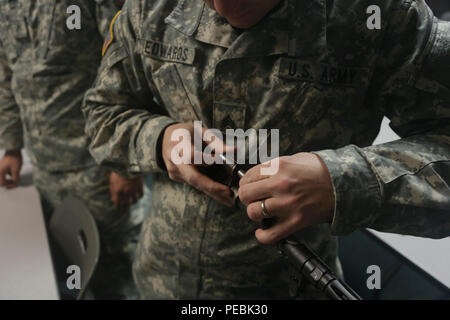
(441, 8)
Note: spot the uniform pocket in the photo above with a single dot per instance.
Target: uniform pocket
(61, 43)
(18, 28)
(308, 101)
(16, 35)
(172, 93)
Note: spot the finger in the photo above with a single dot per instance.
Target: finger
(140, 193)
(15, 176)
(216, 141)
(212, 154)
(280, 230)
(229, 149)
(124, 205)
(258, 190)
(140, 190)
(215, 190)
(254, 174)
(115, 199)
(137, 196)
(124, 200)
(274, 206)
(216, 145)
(3, 180)
(134, 197)
(197, 157)
(10, 184)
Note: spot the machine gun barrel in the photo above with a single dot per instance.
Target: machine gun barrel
(303, 258)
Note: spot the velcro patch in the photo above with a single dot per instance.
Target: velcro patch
(295, 69)
(168, 52)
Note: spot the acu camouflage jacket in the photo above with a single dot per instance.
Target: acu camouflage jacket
(311, 69)
(45, 69)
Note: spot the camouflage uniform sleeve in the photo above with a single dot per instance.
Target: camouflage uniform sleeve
(121, 118)
(402, 186)
(105, 11)
(10, 121)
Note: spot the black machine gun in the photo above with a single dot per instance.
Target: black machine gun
(304, 259)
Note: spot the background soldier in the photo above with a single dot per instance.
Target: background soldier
(45, 69)
(309, 68)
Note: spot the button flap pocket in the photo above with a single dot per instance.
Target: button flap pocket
(14, 15)
(173, 94)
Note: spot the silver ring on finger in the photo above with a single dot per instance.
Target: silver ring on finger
(264, 209)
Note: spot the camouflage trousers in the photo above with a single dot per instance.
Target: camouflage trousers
(215, 255)
(118, 231)
(142, 207)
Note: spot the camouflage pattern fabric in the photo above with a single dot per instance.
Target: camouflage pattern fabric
(45, 69)
(142, 207)
(311, 69)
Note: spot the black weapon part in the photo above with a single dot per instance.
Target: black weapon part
(314, 269)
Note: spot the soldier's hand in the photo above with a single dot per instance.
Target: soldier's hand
(124, 192)
(242, 13)
(300, 194)
(10, 166)
(187, 169)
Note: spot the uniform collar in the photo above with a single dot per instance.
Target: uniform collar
(214, 29)
(297, 27)
(186, 16)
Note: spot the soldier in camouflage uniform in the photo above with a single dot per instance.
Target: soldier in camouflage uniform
(312, 69)
(45, 69)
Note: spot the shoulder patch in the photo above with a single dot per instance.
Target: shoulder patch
(308, 71)
(110, 37)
